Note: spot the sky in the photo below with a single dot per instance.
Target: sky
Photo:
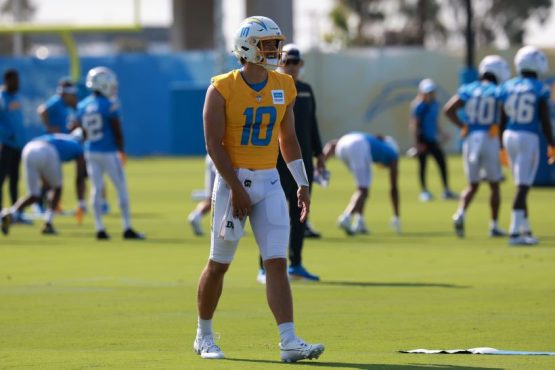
(310, 21)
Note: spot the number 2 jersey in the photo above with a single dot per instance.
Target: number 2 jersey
(521, 97)
(94, 113)
(253, 118)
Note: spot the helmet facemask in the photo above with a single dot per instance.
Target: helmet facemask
(269, 59)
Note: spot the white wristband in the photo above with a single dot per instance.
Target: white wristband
(298, 172)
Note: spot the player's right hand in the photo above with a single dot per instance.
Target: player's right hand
(464, 131)
(241, 203)
(551, 154)
(421, 148)
(504, 157)
(493, 131)
(303, 201)
(122, 158)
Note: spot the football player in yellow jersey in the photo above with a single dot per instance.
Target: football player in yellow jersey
(247, 114)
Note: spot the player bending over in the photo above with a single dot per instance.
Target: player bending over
(358, 150)
(42, 159)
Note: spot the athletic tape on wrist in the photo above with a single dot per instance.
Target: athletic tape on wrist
(298, 171)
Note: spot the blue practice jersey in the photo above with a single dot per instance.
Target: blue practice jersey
(67, 146)
(95, 113)
(382, 153)
(480, 105)
(11, 121)
(427, 114)
(59, 113)
(521, 97)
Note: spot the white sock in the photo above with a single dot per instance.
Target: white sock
(525, 225)
(460, 213)
(517, 216)
(493, 224)
(48, 215)
(345, 216)
(82, 204)
(204, 327)
(286, 332)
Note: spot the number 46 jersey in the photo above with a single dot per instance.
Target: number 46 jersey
(521, 97)
(252, 118)
(94, 114)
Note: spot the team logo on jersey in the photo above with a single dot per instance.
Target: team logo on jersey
(278, 96)
(258, 98)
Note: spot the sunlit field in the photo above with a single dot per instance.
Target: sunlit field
(71, 302)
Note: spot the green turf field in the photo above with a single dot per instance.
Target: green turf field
(70, 302)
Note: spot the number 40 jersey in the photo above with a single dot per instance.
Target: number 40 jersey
(94, 113)
(252, 118)
(521, 97)
(480, 105)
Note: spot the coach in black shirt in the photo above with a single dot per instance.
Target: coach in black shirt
(308, 136)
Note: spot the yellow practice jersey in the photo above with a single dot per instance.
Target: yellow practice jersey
(252, 119)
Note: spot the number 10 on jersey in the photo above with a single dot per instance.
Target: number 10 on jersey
(253, 123)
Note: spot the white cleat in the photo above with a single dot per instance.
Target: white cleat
(194, 221)
(523, 240)
(426, 196)
(396, 225)
(458, 225)
(299, 350)
(207, 349)
(344, 222)
(360, 228)
(261, 277)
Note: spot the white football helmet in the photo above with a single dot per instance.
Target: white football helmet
(497, 66)
(531, 59)
(102, 80)
(247, 42)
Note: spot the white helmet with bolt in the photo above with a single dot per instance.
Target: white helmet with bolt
(496, 66)
(102, 80)
(247, 43)
(531, 59)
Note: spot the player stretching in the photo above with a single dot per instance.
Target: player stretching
(98, 114)
(247, 114)
(358, 151)
(524, 115)
(481, 137)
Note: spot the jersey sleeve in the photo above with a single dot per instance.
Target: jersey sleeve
(290, 90)
(221, 83)
(114, 107)
(463, 93)
(417, 109)
(545, 93)
(501, 93)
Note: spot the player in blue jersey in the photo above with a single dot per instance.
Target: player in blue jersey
(12, 133)
(358, 151)
(427, 135)
(58, 111)
(524, 116)
(43, 158)
(481, 137)
(98, 114)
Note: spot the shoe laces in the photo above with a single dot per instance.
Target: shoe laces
(208, 343)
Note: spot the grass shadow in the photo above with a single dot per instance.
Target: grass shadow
(366, 284)
(350, 365)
